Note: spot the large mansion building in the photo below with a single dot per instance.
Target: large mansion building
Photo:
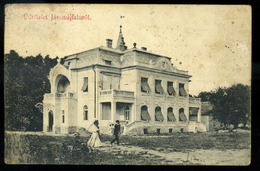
(143, 90)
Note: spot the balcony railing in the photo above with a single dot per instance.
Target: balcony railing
(59, 95)
(116, 93)
(194, 100)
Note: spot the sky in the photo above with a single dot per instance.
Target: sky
(211, 42)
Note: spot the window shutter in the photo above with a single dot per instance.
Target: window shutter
(85, 85)
(158, 115)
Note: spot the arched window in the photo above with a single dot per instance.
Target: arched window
(158, 114)
(144, 114)
(85, 112)
(170, 115)
(182, 116)
(127, 112)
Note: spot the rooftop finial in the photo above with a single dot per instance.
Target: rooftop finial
(120, 41)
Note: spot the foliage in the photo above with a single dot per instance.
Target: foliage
(25, 82)
(230, 105)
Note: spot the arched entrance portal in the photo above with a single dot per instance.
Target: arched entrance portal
(50, 128)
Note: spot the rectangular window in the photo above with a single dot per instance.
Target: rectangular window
(85, 85)
(63, 116)
(182, 91)
(158, 87)
(145, 131)
(144, 85)
(170, 88)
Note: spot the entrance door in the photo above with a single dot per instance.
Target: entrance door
(127, 113)
(50, 121)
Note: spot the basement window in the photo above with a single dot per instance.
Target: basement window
(158, 131)
(158, 87)
(170, 130)
(182, 91)
(144, 85)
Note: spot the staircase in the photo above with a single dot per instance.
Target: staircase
(195, 127)
(134, 128)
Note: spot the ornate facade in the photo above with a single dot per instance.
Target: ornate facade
(143, 90)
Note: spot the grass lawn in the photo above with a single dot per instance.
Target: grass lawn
(186, 141)
(46, 149)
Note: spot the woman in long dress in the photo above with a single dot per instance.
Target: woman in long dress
(94, 140)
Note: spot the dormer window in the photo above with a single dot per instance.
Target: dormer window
(144, 85)
(163, 64)
(107, 62)
(158, 87)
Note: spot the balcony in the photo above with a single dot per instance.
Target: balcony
(193, 100)
(116, 94)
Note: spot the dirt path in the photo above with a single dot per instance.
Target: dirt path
(193, 157)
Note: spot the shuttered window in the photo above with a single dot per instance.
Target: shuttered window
(85, 85)
(170, 88)
(158, 114)
(182, 117)
(144, 114)
(182, 91)
(144, 85)
(170, 115)
(158, 87)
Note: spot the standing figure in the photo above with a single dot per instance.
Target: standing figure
(116, 132)
(94, 140)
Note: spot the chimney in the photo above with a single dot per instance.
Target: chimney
(109, 43)
(144, 48)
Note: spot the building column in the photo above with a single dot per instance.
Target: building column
(151, 111)
(199, 115)
(176, 88)
(113, 111)
(164, 112)
(176, 113)
(99, 111)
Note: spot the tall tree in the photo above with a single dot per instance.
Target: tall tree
(25, 82)
(230, 105)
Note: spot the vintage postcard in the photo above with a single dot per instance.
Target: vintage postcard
(127, 84)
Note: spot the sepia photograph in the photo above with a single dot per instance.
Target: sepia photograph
(121, 84)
